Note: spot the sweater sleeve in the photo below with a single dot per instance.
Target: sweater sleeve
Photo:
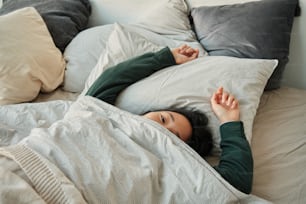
(236, 162)
(115, 79)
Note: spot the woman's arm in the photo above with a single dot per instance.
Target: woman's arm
(236, 162)
(115, 79)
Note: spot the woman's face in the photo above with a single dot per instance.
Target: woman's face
(177, 123)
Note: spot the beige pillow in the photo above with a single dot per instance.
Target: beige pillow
(30, 62)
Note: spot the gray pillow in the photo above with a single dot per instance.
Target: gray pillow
(258, 29)
(64, 18)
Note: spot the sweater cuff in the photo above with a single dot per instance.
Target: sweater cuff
(165, 56)
(232, 129)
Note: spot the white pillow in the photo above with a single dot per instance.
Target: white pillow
(82, 54)
(123, 36)
(111, 11)
(169, 18)
(84, 50)
(131, 11)
(192, 84)
(198, 3)
(189, 85)
(30, 62)
(119, 49)
(165, 17)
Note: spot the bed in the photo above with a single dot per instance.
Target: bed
(60, 146)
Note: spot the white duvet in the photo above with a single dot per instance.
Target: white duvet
(102, 154)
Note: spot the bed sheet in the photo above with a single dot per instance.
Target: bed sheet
(278, 145)
(58, 94)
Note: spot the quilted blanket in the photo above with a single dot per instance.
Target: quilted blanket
(98, 153)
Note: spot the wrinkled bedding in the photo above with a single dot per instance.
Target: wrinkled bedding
(112, 156)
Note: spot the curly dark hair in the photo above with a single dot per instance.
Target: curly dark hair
(201, 138)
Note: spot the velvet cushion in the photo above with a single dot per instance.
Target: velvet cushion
(258, 29)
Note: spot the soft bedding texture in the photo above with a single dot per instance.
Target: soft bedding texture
(118, 49)
(278, 139)
(94, 41)
(127, 155)
(160, 90)
(30, 62)
(258, 29)
(198, 3)
(172, 31)
(64, 18)
(82, 54)
(175, 25)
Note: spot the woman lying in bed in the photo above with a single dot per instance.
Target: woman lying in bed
(236, 162)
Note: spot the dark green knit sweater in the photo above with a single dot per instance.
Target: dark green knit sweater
(236, 161)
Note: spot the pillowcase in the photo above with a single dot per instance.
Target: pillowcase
(118, 49)
(109, 12)
(198, 3)
(258, 29)
(192, 84)
(64, 18)
(189, 85)
(30, 61)
(83, 52)
(170, 18)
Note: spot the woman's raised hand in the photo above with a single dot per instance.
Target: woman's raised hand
(184, 53)
(225, 106)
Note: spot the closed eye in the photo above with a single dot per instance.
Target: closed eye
(162, 118)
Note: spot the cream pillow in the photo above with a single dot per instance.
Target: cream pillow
(189, 85)
(30, 62)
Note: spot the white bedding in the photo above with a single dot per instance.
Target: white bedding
(278, 142)
(112, 156)
(278, 139)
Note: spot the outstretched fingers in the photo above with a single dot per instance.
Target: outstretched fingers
(225, 106)
(217, 96)
(224, 99)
